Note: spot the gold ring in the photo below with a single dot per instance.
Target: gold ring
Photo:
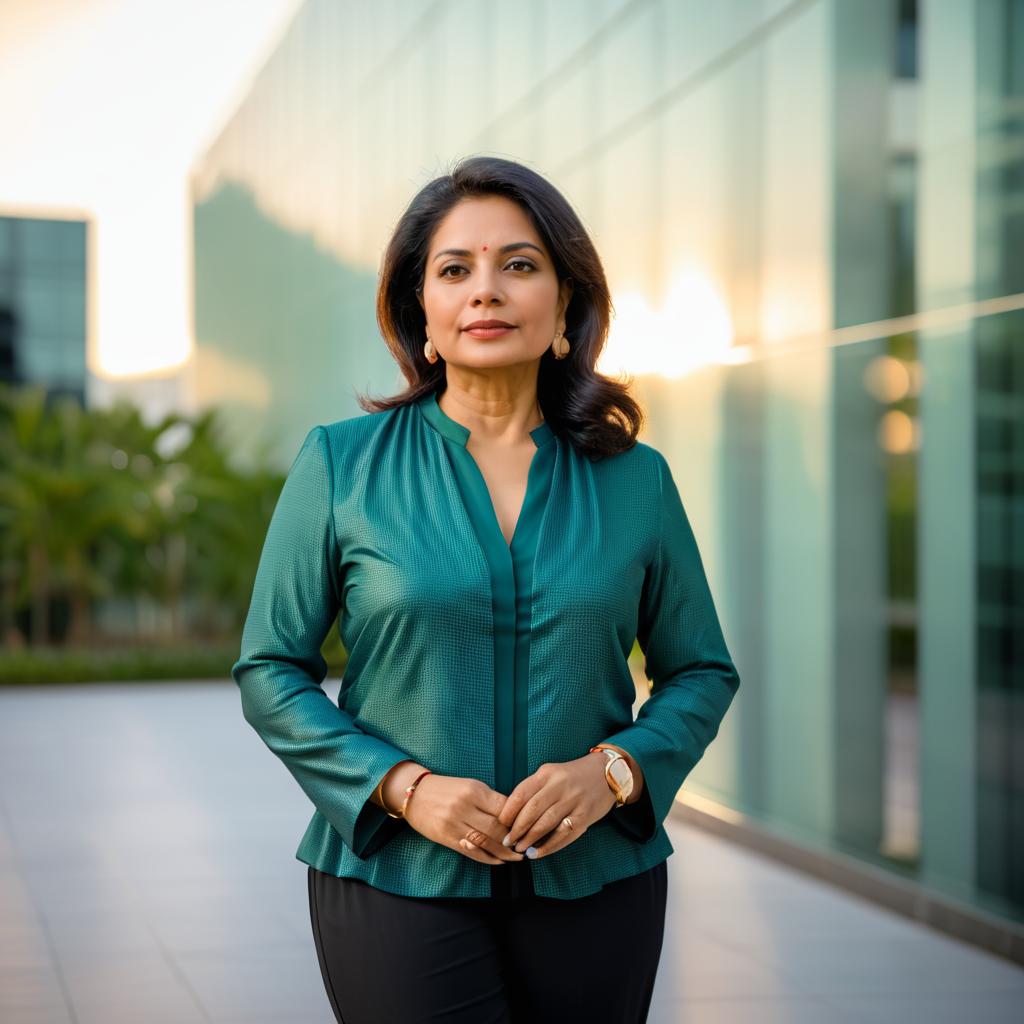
(476, 838)
(567, 821)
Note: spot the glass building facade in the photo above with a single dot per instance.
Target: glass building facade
(811, 215)
(42, 304)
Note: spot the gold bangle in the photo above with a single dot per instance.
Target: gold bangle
(379, 791)
(384, 805)
(409, 791)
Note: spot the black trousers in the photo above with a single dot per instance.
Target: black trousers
(387, 958)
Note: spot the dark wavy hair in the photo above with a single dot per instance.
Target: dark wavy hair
(596, 413)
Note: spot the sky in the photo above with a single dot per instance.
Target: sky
(104, 105)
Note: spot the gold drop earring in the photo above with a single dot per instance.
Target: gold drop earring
(560, 345)
(429, 351)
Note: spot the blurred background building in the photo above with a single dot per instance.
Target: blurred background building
(42, 303)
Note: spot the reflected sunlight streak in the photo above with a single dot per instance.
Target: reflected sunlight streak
(691, 330)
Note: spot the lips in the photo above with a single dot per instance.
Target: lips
(484, 329)
(488, 332)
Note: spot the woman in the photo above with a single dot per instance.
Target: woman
(488, 827)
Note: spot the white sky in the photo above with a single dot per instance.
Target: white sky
(104, 104)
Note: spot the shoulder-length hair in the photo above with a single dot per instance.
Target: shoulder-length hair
(596, 413)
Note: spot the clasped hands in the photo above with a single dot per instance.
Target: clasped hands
(467, 815)
(535, 809)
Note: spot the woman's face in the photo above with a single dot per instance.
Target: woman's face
(484, 280)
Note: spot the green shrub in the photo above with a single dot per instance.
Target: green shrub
(138, 664)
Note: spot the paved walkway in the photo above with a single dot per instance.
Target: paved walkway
(147, 875)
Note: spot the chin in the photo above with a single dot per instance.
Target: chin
(498, 359)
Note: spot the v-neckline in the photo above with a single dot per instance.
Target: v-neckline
(510, 543)
(460, 434)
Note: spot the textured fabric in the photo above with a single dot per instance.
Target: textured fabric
(390, 958)
(372, 530)
(511, 568)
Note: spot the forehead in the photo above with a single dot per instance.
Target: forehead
(485, 220)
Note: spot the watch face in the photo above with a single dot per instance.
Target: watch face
(621, 773)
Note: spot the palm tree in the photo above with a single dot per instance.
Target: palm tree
(28, 482)
(98, 503)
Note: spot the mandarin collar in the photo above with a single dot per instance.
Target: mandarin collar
(457, 432)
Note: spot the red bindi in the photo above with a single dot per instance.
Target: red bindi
(485, 248)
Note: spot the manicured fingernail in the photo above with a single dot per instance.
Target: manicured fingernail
(505, 841)
(531, 852)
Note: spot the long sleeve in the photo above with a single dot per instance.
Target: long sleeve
(692, 674)
(295, 601)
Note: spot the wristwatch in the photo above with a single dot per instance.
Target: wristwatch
(618, 774)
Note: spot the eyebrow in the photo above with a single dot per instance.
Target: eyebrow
(503, 249)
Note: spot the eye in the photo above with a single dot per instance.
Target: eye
(458, 266)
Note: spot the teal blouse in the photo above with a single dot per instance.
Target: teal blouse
(511, 568)
(472, 656)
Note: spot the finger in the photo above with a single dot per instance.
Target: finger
(504, 853)
(497, 809)
(474, 852)
(517, 799)
(486, 836)
(481, 819)
(554, 842)
(546, 822)
(549, 834)
(527, 819)
(490, 849)
(558, 838)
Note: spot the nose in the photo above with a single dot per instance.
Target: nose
(487, 288)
